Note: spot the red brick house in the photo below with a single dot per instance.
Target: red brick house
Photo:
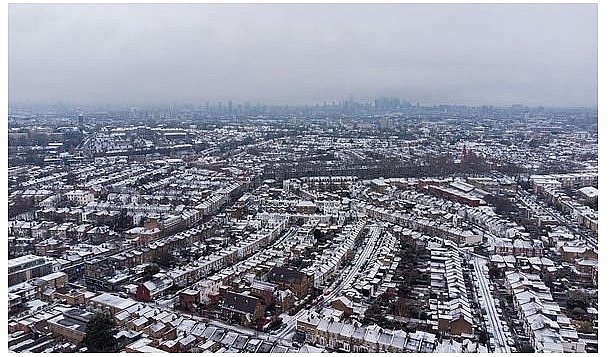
(294, 280)
(244, 308)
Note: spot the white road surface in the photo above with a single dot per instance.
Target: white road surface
(495, 325)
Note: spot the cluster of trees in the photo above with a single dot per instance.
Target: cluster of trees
(503, 205)
(592, 204)
(402, 304)
(320, 237)
(407, 269)
(100, 334)
(149, 271)
(577, 302)
(494, 272)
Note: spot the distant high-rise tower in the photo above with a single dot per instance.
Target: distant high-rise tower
(80, 120)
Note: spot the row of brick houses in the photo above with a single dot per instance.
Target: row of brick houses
(427, 226)
(100, 271)
(518, 247)
(322, 269)
(583, 215)
(451, 309)
(326, 332)
(573, 180)
(547, 328)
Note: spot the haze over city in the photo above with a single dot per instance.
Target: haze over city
(473, 54)
(274, 178)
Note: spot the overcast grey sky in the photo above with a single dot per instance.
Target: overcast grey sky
(474, 54)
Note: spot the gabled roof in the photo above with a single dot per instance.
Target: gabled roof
(262, 285)
(240, 303)
(372, 333)
(287, 275)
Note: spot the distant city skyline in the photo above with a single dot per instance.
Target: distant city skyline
(370, 104)
(303, 54)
